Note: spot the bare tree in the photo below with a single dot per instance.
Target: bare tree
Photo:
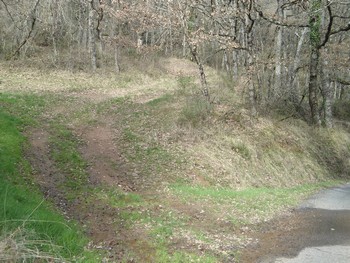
(92, 40)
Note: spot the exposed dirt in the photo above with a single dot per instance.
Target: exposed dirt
(110, 234)
(107, 167)
(287, 236)
(281, 237)
(47, 175)
(101, 222)
(106, 164)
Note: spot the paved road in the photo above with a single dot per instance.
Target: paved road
(327, 254)
(337, 198)
(333, 206)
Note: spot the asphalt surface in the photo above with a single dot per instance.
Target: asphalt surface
(337, 198)
(330, 240)
(325, 254)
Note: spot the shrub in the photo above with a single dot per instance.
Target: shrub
(196, 110)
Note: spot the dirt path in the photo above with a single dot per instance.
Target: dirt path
(318, 231)
(107, 225)
(106, 164)
(127, 232)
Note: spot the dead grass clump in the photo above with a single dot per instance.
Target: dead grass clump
(269, 154)
(21, 246)
(180, 67)
(196, 110)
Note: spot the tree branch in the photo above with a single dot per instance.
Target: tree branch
(30, 30)
(342, 81)
(329, 28)
(278, 22)
(342, 29)
(10, 15)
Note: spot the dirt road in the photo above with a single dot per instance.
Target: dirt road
(318, 231)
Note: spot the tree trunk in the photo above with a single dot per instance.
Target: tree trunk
(92, 44)
(116, 59)
(184, 50)
(236, 35)
(315, 40)
(278, 53)
(250, 64)
(313, 86)
(202, 76)
(54, 29)
(294, 75)
(32, 19)
(225, 64)
(327, 95)
(234, 64)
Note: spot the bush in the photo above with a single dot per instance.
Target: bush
(196, 110)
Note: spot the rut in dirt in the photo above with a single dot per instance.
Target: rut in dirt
(106, 168)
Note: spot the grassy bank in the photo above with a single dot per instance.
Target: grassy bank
(31, 229)
(151, 167)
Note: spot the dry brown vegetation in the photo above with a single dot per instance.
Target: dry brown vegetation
(162, 172)
(155, 162)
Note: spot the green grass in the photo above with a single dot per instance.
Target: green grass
(156, 102)
(164, 227)
(185, 85)
(69, 160)
(177, 137)
(10, 145)
(25, 107)
(227, 194)
(196, 111)
(241, 149)
(117, 198)
(164, 256)
(148, 152)
(23, 209)
(249, 203)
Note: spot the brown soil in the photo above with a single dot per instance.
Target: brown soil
(47, 175)
(104, 225)
(106, 168)
(288, 235)
(106, 164)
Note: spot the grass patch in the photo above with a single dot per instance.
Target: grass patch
(249, 205)
(25, 107)
(148, 152)
(185, 85)
(163, 229)
(117, 198)
(10, 145)
(196, 110)
(241, 149)
(65, 153)
(164, 226)
(25, 219)
(160, 100)
(163, 256)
